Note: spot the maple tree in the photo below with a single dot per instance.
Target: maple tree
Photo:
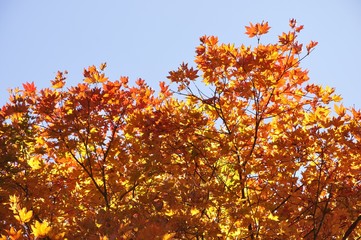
(255, 153)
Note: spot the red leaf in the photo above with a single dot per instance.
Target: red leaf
(29, 87)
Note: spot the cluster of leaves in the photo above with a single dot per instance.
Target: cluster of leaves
(260, 155)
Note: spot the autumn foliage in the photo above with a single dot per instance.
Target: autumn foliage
(244, 148)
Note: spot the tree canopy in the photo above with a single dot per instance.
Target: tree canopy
(244, 148)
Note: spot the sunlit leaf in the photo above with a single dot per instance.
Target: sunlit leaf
(29, 87)
(40, 229)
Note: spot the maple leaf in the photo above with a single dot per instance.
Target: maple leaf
(24, 216)
(100, 78)
(29, 87)
(311, 45)
(251, 30)
(299, 28)
(59, 80)
(40, 229)
(273, 217)
(340, 110)
(292, 23)
(286, 38)
(263, 28)
(34, 163)
(93, 76)
(168, 236)
(257, 29)
(164, 89)
(297, 48)
(13, 234)
(103, 66)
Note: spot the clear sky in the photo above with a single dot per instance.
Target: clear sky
(149, 38)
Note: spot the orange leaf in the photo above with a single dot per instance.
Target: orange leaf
(100, 77)
(103, 66)
(29, 87)
(311, 45)
(292, 23)
(251, 30)
(13, 234)
(257, 30)
(59, 80)
(263, 28)
(59, 84)
(168, 236)
(340, 110)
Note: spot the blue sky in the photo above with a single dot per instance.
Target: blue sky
(147, 39)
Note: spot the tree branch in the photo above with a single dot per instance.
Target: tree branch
(351, 228)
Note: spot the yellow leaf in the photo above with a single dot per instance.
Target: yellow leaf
(336, 98)
(14, 199)
(168, 236)
(24, 215)
(17, 217)
(194, 211)
(34, 163)
(100, 78)
(41, 229)
(273, 217)
(313, 163)
(340, 110)
(93, 130)
(14, 204)
(58, 84)
(98, 225)
(89, 80)
(169, 213)
(39, 140)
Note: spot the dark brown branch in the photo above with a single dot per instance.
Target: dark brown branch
(351, 228)
(324, 212)
(128, 191)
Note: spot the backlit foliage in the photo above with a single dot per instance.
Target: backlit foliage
(245, 148)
